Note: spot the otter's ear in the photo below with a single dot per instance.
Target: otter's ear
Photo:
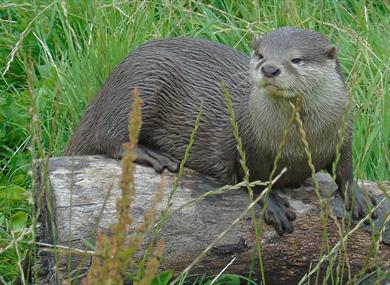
(255, 42)
(331, 51)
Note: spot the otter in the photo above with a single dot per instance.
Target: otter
(173, 76)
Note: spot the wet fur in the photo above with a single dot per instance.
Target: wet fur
(174, 75)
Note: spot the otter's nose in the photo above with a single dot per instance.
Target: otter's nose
(270, 71)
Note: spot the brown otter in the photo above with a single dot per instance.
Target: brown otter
(174, 75)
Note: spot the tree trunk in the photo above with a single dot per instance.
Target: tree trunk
(80, 185)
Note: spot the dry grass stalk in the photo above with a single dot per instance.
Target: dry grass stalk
(116, 253)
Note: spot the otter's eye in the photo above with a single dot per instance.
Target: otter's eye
(296, 60)
(259, 56)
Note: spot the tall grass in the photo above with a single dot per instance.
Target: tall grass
(74, 46)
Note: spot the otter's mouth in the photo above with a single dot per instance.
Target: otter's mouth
(275, 91)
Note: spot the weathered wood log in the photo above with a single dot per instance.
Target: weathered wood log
(79, 187)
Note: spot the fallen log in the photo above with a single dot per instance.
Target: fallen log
(80, 187)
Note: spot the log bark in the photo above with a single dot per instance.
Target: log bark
(80, 187)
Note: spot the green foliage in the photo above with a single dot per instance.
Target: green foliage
(227, 279)
(163, 278)
(14, 211)
(74, 45)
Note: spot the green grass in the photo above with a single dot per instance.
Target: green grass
(74, 45)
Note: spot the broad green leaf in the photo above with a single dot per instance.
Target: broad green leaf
(12, 192)
(19, 221)
(163, 278)
(19, 179)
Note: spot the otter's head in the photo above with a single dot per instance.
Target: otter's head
(288, 62)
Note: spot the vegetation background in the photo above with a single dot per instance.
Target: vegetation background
(70, 47)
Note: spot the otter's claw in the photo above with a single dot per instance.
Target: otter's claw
(279, 214)
(361, 205)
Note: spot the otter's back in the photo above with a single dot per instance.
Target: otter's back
(173, 77)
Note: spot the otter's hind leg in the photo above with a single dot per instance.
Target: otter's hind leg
(150, 157)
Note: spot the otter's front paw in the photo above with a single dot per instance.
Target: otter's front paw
(157, 159)
(279, 214)
(357, 202)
